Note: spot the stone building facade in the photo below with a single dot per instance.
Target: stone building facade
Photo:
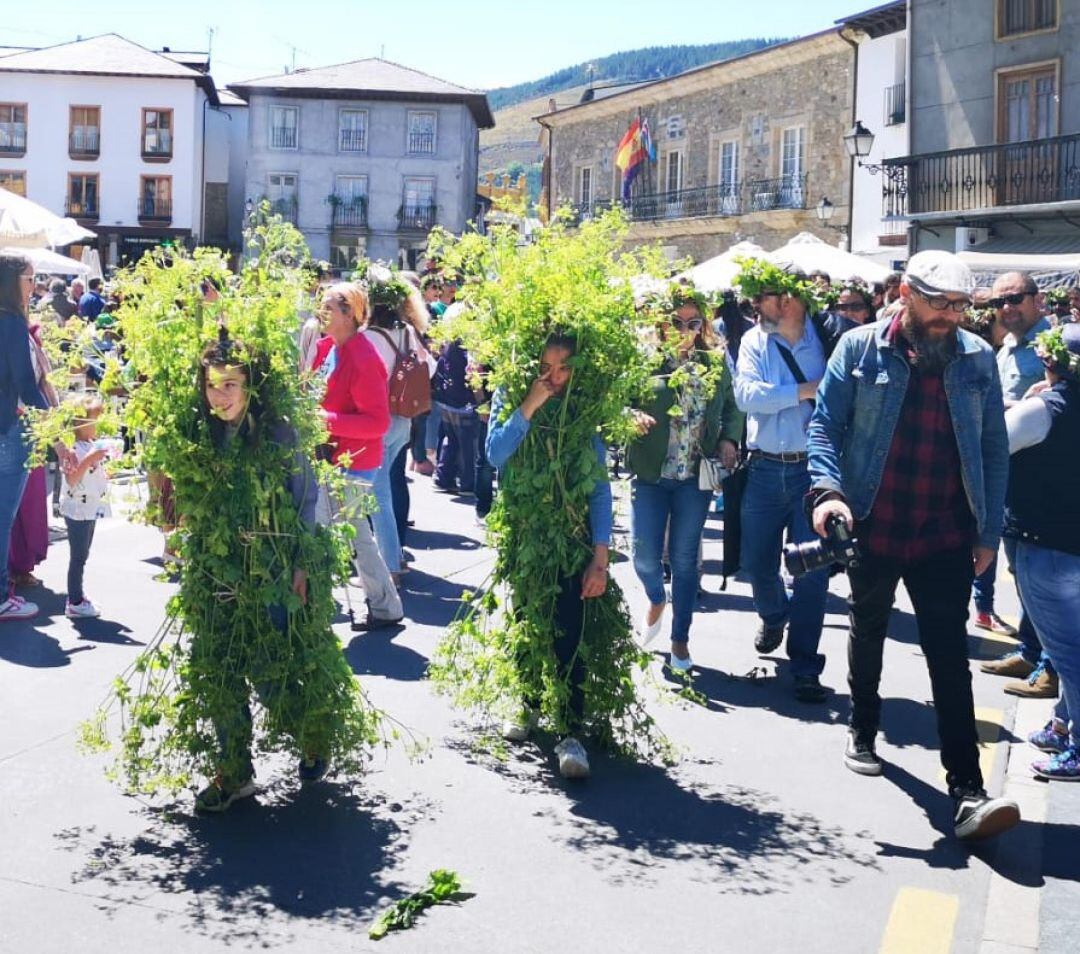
(745, 149)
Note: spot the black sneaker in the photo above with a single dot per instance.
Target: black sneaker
(810, 689)
(769, 637)
(859, 755)
(311, 770)
(979, 816)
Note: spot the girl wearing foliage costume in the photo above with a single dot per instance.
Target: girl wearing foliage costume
(690, 414)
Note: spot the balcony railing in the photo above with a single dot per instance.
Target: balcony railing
(157, 144)
(421, 142)
(895, 104)
(787, 192)
(421, 217)
(350, 215)
(12, 139)
(286, 207)
(82, 210)
(352, 140)
(152, 209)
(984, 177)
(85, 143)
(283, 137)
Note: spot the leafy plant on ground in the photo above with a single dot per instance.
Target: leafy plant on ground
(442, 887)
(241, 538)
(499, 652)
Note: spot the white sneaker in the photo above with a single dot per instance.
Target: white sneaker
(649, 631)
(680, 665)
(519, 729)
(17, 608)
(573, 762)
(83, 610)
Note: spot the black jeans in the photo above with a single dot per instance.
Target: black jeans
(80, 536)
(399, 491)
(485, 473)
(939, 587)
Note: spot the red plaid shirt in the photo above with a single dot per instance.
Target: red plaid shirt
(921, 507)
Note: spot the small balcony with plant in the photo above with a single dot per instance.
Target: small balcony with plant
(348, 212)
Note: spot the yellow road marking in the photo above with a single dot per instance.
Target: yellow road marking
(921, 922)
(988, 725)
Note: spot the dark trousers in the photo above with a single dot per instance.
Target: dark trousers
(418, 438)
(939, 587)
(485, 473)
(80, 535)
(399, 491)
(1030, 645)
(569, 619)
(457, 452)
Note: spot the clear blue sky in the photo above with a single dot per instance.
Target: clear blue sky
(474, 43)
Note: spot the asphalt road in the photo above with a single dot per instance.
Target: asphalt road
(758, 840)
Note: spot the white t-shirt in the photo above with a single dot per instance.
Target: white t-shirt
(89, 498)
(404, 339)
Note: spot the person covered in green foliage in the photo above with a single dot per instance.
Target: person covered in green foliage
(533, 420)
(689, 415)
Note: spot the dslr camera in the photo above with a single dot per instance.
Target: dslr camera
(838, 546)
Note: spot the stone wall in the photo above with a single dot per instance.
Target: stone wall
(750, 100)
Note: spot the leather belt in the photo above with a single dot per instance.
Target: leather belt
(784, 457)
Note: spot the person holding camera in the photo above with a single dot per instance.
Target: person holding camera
(908, 448)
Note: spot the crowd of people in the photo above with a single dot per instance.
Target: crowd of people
(925, 418)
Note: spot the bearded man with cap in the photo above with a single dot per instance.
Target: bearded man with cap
(907, 445)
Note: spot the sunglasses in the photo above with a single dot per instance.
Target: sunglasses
(1008, 300)
(852, 306)
(941, 303)
(691, 324)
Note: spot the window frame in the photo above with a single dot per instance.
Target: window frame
(157, 156)
(1003, 74)
(999, 23)
(801, 127)
(270, 128)
(342, 110)
(579, 181)
(434, 114)
(664, 162)
(14, 172)
(96, 176)
(143, 177)
(84, 153)
(25, 123)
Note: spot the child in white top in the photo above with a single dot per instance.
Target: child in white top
(84, 499)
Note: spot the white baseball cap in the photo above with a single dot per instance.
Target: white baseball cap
(936, 272)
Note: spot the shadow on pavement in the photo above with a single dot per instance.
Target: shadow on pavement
(430, 600)
(24, 644)
(420, 539)
(104, 631)
(376, 654)
(906, 722)
(320, 852)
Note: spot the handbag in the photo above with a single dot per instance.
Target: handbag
(711, 475)
(410, 380)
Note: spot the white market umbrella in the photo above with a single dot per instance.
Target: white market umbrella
(91, 258)
(25, 224)
(718, 274)
(48, 262)
(810, 254)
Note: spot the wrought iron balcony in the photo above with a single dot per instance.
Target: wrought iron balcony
(283, 137)
(87, 210)
(687, 203)
(286, 207)
(350, 214)
(984, 177)
(421, 142)
(420, 217)
(12, 139)
(352, 140)
(896, 104)
(85, 143)
(786, 192)
(152, 209)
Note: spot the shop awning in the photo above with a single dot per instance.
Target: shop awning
(1053, 261)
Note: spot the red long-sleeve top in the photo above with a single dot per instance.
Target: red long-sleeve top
(356, 402)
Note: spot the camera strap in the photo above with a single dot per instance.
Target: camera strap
(793, 365)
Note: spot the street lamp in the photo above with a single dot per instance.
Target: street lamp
(859, 141)
(825, 211)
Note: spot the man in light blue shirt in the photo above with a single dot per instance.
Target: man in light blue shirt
(778, 403)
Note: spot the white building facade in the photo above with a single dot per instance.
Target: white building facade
(116, 136)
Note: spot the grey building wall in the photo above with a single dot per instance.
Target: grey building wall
(238, 151)
(954, 59)
(386, 163)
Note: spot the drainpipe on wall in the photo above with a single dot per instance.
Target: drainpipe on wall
(550, 166)
(909, 113)
(854, 44)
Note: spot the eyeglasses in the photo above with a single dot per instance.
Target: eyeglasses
(691, 324)
(1008, 299)
(941, 303)
(852, 306)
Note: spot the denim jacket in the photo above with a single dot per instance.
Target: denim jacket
(859, 402)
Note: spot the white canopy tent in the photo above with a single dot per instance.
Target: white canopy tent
(809, 253)
(48, 262)
(1049, 271)
(25, 224)
(717, 274)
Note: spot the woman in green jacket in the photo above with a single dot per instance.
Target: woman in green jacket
(691, 415)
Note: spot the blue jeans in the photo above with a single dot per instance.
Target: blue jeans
(418, 438)
(13, 476)
(80, 537)
(399, 491)
(1030, 645)
(383, 522)
(457, 453)
(983, 588)
(686, 506)
(773, 503)
(1049, 581)
(485, 474)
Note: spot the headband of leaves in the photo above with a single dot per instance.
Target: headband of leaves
(757, 275)
(384, 286)
(673, 296)
(1056, 355)
(1056, 297)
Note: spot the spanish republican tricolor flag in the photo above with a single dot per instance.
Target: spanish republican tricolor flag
(634, 148)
